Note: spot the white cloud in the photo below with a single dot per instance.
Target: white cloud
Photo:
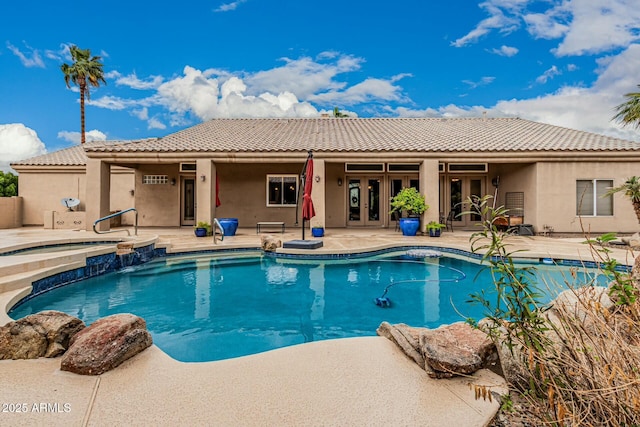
(549, 74)
(92, 135)
(589, 109)
(132, 81)
(508, 51)
(34, 60)
(18, 142)
(483, 82)
(154, 123)
(367, 91)
(303, 76)
(583, 26)
(600, 25)
(226, 7)
(497, 20)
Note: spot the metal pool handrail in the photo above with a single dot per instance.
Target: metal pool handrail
(113, 215)
(216, 223)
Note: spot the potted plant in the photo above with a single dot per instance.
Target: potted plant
(202, 229)
(317, 231)
(435, 228)
(410, 202)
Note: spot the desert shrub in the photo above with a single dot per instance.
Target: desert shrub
(579, 358)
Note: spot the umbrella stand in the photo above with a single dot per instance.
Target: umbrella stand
(307, 207)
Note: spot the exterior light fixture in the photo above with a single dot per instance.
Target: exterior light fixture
(339, 182)
(173, 181)
(317, 178)
(202, 178)
(132, 192)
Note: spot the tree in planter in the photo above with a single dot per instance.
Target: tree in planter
(409, 200)
(631, 189)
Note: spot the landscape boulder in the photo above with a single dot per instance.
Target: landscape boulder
(443, 352)
(105, 344)
(44, 334)
(270, 243)
(456, 349)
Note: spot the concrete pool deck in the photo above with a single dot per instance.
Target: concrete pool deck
(354, 381)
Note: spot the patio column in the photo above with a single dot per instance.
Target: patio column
(98, 193)
(318, 193)
(430, 187)
(205, 190)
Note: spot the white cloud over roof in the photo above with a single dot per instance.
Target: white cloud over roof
(18, 142)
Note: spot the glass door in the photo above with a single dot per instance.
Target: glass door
(461, 188)
(188, 200)
(363, 201)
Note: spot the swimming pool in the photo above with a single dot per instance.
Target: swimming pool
(212, 308)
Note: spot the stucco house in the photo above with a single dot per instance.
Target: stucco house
(548, 176)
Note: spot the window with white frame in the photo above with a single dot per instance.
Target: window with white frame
(282, 190)
(590, 200)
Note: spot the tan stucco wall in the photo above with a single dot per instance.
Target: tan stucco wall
(10, 212)
(42, 191)
(556, 204)
(122, 182)
(158, 205)
(243, 193)
(517, 178)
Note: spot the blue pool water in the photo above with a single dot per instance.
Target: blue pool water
(211, 308)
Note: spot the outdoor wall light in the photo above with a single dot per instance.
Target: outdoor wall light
(131, 192)
(202, 178)
(173, 181)
(339, 182)
(317, 178)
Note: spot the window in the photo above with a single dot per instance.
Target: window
(589, 200)
(468, 167)
(282, 190)
(155, 179)
(364, 167)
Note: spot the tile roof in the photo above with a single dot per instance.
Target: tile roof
(353, 135)
(374, 135)
(71, 156)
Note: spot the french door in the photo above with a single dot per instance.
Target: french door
(363, 201)
(461, 188)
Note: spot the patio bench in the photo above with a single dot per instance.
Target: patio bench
(272, 224)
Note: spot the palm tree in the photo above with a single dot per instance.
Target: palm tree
(631, 189)
(337, 113)
(85, 71)
(629, 111)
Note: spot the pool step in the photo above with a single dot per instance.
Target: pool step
(17, 264)
(23, 279)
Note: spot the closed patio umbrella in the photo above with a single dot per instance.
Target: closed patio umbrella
(307, 203)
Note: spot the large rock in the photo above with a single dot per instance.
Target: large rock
(270, 243)
(633, 240)
(106, 344)
(445, 351)
(456, 349)
(405, 337)
(44, 334)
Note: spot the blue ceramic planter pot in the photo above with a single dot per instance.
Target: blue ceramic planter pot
(200, 232)
(409, 226)
(317, 231)
(229, 225)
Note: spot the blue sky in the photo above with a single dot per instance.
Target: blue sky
(170, 65)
